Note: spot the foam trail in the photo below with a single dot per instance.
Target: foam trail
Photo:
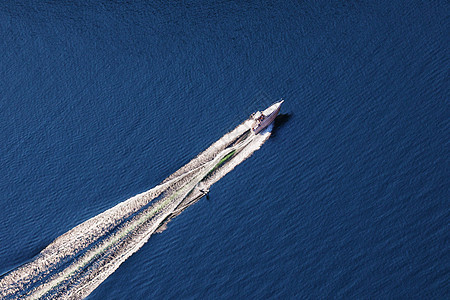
(78, 261)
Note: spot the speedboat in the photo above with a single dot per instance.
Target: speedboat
(266, 117)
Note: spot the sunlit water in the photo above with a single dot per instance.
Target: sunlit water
(102, 100)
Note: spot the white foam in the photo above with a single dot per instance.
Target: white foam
(78, 261)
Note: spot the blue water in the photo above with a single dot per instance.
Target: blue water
(100, 101)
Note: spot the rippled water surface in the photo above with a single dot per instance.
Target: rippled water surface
(100, 101)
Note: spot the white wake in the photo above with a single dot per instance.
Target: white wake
(78, 261)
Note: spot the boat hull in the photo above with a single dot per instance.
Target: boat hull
(272, 112)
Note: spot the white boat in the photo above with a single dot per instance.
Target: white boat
(266, 117)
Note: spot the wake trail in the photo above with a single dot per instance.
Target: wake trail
(75, 263)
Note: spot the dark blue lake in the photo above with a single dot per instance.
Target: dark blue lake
(349, 198)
